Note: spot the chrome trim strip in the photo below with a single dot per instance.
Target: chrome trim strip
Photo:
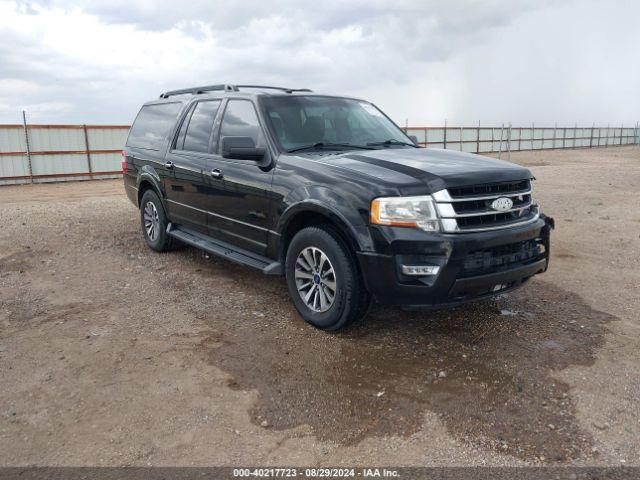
(446, 211)
(447, 225)
(189, 169)
(220, 216)
(443, 196)
(131, 187)
(188, 206)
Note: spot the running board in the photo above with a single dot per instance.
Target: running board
(225, 250)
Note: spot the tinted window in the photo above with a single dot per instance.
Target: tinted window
(183, 129)
(240, 120)
(306, 120)
(153, 124)
(200, 126)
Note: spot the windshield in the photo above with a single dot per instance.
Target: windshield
(329, 122)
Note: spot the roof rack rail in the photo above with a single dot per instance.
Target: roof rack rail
(284, 89)
(197, 90)
(227, 88)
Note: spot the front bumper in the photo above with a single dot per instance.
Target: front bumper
(472, 265)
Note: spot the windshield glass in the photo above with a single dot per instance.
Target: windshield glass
(299, 121)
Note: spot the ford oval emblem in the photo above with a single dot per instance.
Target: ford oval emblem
(502, 204)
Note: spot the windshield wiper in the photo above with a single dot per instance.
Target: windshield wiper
(323, 145)
(391, 141)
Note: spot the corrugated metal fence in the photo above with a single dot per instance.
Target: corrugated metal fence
(45, 153)
(507, 138)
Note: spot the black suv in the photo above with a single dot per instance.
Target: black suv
(333, 195)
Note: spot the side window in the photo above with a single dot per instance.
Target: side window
(153, 124)
(179, 145)
(198, 131)
(241, 120)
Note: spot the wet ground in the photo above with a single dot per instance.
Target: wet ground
(114, 355)
(485, 369)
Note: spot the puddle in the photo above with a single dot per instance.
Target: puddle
(486, 369)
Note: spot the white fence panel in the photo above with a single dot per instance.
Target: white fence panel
(60, 152)
(69, 152)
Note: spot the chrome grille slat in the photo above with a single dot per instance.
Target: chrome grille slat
(443, 196)
(477, 215)
(446, 214)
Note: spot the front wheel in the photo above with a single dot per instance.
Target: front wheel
(323, 279)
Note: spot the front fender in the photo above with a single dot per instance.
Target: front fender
(340, 209)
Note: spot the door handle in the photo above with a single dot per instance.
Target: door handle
(215, 173)
(169, 165)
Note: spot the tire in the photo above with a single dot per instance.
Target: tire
(153, 221)
(324, 246)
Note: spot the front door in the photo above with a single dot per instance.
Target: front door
(241, 215)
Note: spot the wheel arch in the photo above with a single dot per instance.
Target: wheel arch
(149, 179)
(310, 213)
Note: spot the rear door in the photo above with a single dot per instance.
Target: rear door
(188, 192)
(241, 214)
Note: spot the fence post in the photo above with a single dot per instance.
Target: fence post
(478, 138)
(575, 132)
(533, 133)
(555, 127)
(500, 147)
(519, 138)
(86, 144)
(509, 142)
(606, 140)
(599, 135)
(426, 140)
(445, 133)
(591, 138)
(621, 128)
(492, 140)
(26, 140)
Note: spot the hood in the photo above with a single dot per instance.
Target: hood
(436, 168)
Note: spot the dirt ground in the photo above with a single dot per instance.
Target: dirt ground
(111, 354)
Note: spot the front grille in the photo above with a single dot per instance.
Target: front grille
(469, 208)
(490, 260)
(472, 206)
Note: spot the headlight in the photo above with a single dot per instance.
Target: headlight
(418, 212)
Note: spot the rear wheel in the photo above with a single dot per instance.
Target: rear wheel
(153, 221)
(323, 279)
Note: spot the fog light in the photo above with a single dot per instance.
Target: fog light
(420, 270)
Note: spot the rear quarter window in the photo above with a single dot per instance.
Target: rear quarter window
(153, 124)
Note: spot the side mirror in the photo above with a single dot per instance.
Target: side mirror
(241, 148)
(414, 139)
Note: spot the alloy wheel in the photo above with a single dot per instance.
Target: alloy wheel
(151, 221)
(315, 279)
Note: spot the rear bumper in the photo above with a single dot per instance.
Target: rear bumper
(472, 266)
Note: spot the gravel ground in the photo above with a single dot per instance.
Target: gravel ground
(111, 354)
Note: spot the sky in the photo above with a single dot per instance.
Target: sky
(422, 62)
